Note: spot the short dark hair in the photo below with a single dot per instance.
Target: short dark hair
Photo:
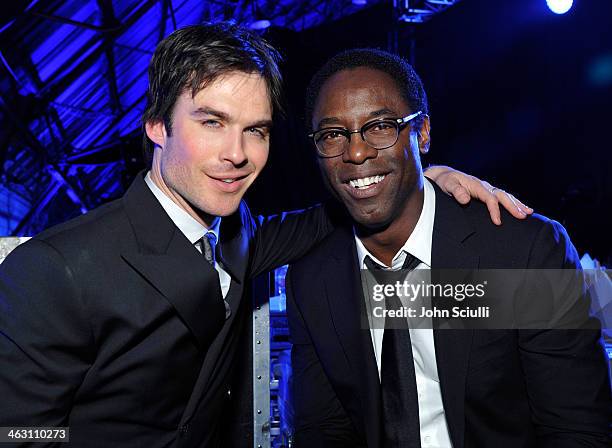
(408, 82)
(194, 56)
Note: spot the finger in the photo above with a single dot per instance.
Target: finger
(493, 206)
(528, 210)
(484, 191)
(459, 192)
(508, 202)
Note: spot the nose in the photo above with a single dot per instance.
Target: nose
(234, 150)
(358, 150)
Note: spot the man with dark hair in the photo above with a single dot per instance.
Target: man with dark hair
(123, 324)
(400, 386)
(409, 84)
(195, 56)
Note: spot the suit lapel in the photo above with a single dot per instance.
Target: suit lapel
(234, 257)
(345, 298)
(234, 244)
(450, 250)
(189, 284)
(170, 263)
(342, 283)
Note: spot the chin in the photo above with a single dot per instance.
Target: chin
(217, 206)
(372, 220)
(227, 210)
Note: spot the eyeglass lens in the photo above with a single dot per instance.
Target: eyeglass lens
(378, 134)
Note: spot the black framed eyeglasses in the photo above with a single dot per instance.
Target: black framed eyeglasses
(379, 134)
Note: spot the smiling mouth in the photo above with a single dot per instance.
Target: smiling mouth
(363, 183)
(231, 184)
(229, 180)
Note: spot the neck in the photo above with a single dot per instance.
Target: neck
(385, 242)
(203, 218)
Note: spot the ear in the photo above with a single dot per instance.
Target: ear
(156, 131)
(424, 138)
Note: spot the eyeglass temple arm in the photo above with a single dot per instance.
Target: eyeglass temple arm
(399, 121)
(409, 117)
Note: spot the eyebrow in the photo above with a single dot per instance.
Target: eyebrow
(224, 116)
(262, 124)
(375, 114)
(210, 111)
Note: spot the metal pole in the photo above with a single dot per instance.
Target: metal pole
(261, 367)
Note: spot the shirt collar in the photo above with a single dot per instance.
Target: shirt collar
(419, 241)
(186, 223)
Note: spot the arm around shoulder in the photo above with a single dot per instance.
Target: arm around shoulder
(283, 238)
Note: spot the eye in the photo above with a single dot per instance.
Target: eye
(382, 126)
(258, 132)
(330, 135)
(211, 123)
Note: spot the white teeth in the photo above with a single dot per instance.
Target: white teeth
(365, 182)
(228, 181)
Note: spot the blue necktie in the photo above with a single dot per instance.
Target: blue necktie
(209, 241)
(209, 244)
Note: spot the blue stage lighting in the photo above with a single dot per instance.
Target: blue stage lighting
(560, 6)
(260, 24)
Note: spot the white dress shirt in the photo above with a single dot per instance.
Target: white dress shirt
(192, 229)
(434, 428)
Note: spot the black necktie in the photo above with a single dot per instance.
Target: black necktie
(400, 399)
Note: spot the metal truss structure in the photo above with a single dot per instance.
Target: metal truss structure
(419, 11)
(72, 85)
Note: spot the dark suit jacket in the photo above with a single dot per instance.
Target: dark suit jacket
(502, 388)
(109, 323)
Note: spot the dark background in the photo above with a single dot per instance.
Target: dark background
(518, 96)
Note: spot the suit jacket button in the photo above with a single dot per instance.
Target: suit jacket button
(184, 429)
